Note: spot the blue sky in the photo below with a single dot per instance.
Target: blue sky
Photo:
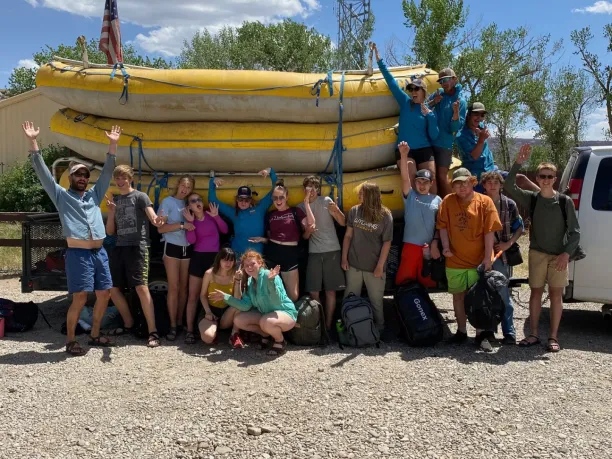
(158, 27)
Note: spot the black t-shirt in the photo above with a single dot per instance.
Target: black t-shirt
(131, 221)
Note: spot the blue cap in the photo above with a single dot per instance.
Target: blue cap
(244, 192)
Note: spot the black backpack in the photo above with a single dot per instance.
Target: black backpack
(160, 307)
(18, 317)
(310, 329)
(420, 320)
(484, 304)
(358, 322)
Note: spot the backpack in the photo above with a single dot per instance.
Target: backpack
(420, 320)
(310, 327)
(484, 304)
(579, 253)
(358, 321)
(160, 308)
(19, 317)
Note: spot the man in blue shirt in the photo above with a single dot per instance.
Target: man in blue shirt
(87, 266)
(472, 142)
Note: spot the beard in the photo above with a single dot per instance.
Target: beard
(76, 186)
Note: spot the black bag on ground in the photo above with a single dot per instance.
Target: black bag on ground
(18, 317)
(162, 318)
(420, 321)
(484, 305)
(310, 327)
(438, 272)
(358, 322)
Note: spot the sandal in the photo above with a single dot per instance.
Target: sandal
(171, 335)
(153, 340)
(266, 342)
(100, 341)
(74, 349)
(526, 342)
(553, 345)
(190, 338)
(277, 349)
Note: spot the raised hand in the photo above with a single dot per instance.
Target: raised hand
(274, 272)
(425, 109)
(218, 182)
(188, 215)
(374, 48)
(213, 209)
(264, 172)
(110, 204)
(29, 130)
(333, 208)
(189, 226)
(437, 98)
(403, 148)
(456, 107)
(238, 275)
(524, 154)
(114, 134)
(484, 134)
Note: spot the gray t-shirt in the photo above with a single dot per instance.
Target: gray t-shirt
(131, 221)
(368, 239)
(324, 239)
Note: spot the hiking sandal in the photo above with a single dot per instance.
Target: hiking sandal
(277, 349)
(74, 349)
(153, 340)
(100, 341)
(553, 345)
(171, 335)
(265, 343)
(190, 338)
(525, 342)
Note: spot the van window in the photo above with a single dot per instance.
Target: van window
(602, 191)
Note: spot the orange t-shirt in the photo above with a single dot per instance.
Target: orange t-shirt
(467, 225)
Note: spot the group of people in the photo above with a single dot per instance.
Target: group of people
(252, 285)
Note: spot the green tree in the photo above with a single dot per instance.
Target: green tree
(437, 26)
(22, 79)
(602, 74)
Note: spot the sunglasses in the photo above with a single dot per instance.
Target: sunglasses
(243, 199)
(279, 198)
(195, 200)
(445, 80)
(546, 177)
(81, 174)
(412, 89)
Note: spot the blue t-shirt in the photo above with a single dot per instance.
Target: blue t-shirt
(466, 141)
(420, 212)
(173, 208)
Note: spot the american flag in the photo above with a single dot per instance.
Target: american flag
(110, 37)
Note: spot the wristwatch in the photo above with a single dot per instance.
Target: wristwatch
(182, 225)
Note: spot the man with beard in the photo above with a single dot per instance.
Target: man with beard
(87, 266)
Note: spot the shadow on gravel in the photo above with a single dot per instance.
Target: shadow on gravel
(32, 358)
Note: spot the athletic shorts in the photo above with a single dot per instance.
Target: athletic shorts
(284, 255)
(129, 266)
(218, 312)
(543, 269)
(87, 270)
(411, 266)
(460, 280)
(420, 155)
(443, 156)
(200, 262)
(324, 272)
(179, 252)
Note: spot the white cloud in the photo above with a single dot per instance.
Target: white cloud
(34, 3)
(28, 64)
(597, 123)
(599, 7)
(172, 22)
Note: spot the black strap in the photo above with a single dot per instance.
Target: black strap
(43, 316)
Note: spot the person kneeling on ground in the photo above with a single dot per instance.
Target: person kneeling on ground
(218, 281)
(467, 222)
(512, 224)
(265, 307)
(552, 240)
(420, 210)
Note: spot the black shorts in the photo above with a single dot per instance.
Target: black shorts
(129, 266)
(200, 262)
(218, 312)
(444, 156)
(284, 255)
(179, 252)
(420, 155)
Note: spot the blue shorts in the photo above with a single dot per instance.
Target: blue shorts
(87, 270)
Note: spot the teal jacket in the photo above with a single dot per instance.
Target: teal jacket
(448, 127)
(269, 296)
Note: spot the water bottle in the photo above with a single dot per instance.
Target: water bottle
(339, 326)
(426, 252)
(426, 271)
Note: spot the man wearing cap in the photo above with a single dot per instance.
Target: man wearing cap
(87, 266)
(420, 210)
(450, 108)
(472, 142)
(467, 222)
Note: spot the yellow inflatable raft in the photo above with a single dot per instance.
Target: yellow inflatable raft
(222, 95)
(230, 147)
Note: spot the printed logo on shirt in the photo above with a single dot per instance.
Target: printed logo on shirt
(278, 217)
(462, 221)
(364, 225)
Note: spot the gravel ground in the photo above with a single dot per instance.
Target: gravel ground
(393, 402)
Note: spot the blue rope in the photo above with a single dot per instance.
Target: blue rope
(316, 88)
(123, 99)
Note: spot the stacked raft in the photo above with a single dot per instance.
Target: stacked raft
(341, 126)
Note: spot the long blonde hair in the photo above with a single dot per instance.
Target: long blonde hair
(372, 209)
(185, 178)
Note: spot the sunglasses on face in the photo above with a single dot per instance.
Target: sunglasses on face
(412, 89)
(546, 177)
(445, 80)
(278, 198)
(244, 199)
(195, 200)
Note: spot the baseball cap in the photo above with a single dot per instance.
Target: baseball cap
(445, 73)
(461, 175)
(418, 82)
(477, 107)
(76, 166)
(424, 174)
(244, 192)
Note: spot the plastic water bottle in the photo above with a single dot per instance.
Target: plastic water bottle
(339, 326)
(426, 252)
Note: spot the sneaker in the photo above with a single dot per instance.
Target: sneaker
(509, 340)
(458, 338)
(236, 341)
(387, 336)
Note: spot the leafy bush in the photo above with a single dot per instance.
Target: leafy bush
(20, 189)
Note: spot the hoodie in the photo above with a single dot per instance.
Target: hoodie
(444, 114)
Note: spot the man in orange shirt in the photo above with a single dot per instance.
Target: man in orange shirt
(467, 222)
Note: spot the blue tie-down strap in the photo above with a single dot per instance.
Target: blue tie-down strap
(316, 88)
(159, 185)
(123, 99)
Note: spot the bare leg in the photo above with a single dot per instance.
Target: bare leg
(227, 319)
(431, 167)
(275, 323)
(122, 306)
(535, 308)
(172, 266)
(556, 310)
(183, 290)
(208, 330)
(195, 285)
(330, 308)
(291, 279)
(444, 187)
(459, 307)
(102, 297)
(146, 302)
(249, 321)
(72, 317)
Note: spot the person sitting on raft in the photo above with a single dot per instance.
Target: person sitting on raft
(418, 125)
(247, 216)
(266, 308)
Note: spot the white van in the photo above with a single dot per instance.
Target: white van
(587, 180)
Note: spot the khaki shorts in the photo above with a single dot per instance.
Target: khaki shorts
(543, 269)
